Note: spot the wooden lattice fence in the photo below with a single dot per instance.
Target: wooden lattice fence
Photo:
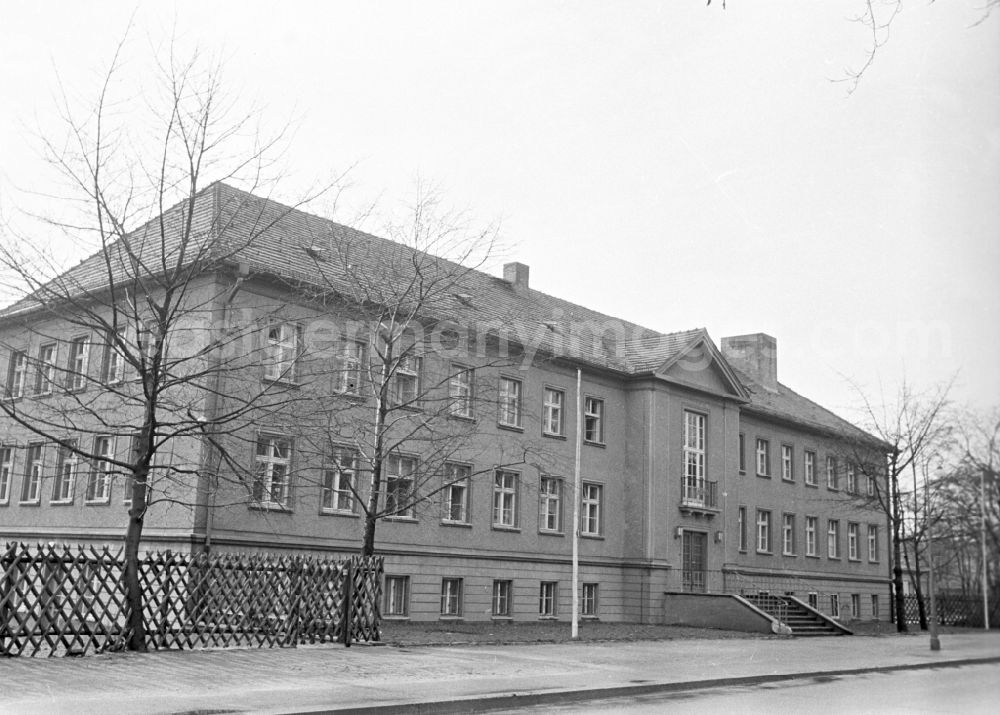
(952, 610)
(55, 600)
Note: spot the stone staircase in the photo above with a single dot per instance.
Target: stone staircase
(802, 621)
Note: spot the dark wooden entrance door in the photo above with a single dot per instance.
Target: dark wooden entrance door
(693, 560)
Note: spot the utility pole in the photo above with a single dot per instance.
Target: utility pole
(982, 537)
(575, 630)
(935, 641)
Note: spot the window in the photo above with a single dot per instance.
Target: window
(852, 479)
(694, 458)
(741, 525)
(113, 369)
(451, 597)
(31, 489)
(810, 468)
(76, 368)
(855, 605)
(505, 498)
(6, 472)
(763, 531)
(813, 599)
(763, 458)
(45, 372)
(456, 493)
(552, 411)
(590, 509)
(588, 600)
(399, 475)
(852, 541)
(273, 466)
(502, 592)
(811, 526)
(786, 463)
(397, 596)
(871, 485)
(593, 420)
(99, 483)
(350, 368)
(17, 374)
(510, 402)
(834, 605)
(833, 539)
(875, 606)
(743, 453)
(65, 478)
(550, 504)
(831, 473)
(547, 599)
(788, 534)
(872, 543)
(460, 391)
(284, 343)
(339, 478)
(406, 381)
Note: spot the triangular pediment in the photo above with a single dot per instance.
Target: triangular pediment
(701, 366)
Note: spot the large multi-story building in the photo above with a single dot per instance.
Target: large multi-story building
(699, 470)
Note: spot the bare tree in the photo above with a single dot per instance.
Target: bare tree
(913, 425)
(414, 382)
(131, 345)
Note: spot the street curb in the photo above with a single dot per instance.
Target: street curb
(514, 700)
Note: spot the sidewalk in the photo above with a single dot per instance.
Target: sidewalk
(332, 677)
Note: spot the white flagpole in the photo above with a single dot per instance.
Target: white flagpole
(576, 509)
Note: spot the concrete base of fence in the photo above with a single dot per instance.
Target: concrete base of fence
(714, 610)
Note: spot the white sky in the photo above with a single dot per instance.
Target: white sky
(675, 165)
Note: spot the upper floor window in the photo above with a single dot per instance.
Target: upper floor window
(763, 531)
(810, 468)
(505, 486)
(17, 373)
(811, 522)
(399, 475)
(741, 528)
(552, 411)
(406, 381)
(31, 489)
(590, 509)
(852, 541)
(113, 369)
(694, 456)
(833, 539)
(510, 402)
(852, 479)
(272, 472)
(340, 481)
(593, 420)
(743, 453)
(870, 481)
(456, 493)
(350, 368)
(76, 366)
(788, 534)
(45, 374)
(99, 483)
(831, 473)
(787, 473)
(872, 543)
(284, 345)
(763, 458)
(460, 391)
(550, 504)
(6, 472)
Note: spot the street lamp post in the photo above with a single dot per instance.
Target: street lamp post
(935, 641)
(982, 538)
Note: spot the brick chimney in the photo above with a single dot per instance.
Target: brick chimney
(755, 354)
(516, 274)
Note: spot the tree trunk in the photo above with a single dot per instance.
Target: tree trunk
(133, 588)
(914, 571)
(897, 566)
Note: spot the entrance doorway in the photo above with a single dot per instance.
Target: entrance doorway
(694, 557)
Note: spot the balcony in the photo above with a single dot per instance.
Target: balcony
(699, 497)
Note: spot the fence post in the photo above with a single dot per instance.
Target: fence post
(348, 601)
(296, 610)
(165, 595)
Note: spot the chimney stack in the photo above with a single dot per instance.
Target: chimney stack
(516, 274)
(756, 355)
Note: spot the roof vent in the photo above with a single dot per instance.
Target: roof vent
(315, 252)
(464, 298)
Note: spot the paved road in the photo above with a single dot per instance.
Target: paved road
(966, 690)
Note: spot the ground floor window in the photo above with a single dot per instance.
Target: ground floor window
(875, 605)
(397, 595)
(451, 597)
(835, 605)
(588, 602)
(813, 600)
(855, 605)
(547, 599)
(502, 591)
